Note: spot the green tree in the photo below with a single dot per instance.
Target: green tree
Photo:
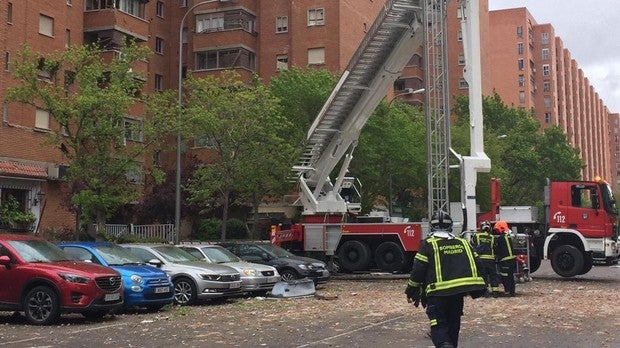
(390, 160)
(89, 99)
(246, 129)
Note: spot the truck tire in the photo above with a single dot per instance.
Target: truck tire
(354, 255)
(588, 262)
(534, 263)
(390, 257)
(567, 261)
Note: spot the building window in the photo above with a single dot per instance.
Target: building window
(132, 7)
(461, 59)
(459, 35)
(547, 117)
(546, 86)
(9, 12)
(519, 32)
(160, 9)
(69, 2)
(316, 17)
(159, 45)
(520, 63)
(521, 80)
(281, 62)
(547, 101)
(544, 38)
(204, 142)
(159, 82)
(545, 54)
(46, 25)
(182, 3)
(522, 97)
(133, 130)
(282, 24)
(7, 61)
(226, 58)
(316, 56)
(42, 119)
(463, 84)
(520, 48)
(546, 70)
(229, 20)
(67, 37)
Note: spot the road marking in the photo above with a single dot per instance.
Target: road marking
(71, 333)
(350, 332)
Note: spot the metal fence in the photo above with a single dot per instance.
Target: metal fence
(162, 231)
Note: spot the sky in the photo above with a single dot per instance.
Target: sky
(590, 30)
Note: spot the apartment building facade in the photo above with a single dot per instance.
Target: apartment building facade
(264, 37)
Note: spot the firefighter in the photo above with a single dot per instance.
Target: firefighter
(444, 271)
(483, 243)
(506, 259)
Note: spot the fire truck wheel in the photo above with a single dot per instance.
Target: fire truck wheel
(534, 263)
(588, 262)
(567, 261)
(390, 257)
(354, 255)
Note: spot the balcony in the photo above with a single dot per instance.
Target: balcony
(113, 19)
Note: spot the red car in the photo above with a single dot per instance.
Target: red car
(39, 279)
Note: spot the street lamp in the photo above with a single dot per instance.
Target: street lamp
(177, 201)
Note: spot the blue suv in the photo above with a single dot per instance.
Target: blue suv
(145, 286)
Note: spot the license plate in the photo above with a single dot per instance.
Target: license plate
(162, 289)
(112, 297)
(235, 285)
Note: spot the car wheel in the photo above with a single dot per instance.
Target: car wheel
(95, 315)
(588, 262)
(354, 255)
(184, 291)
(567, 261)
(288, 275)
(390, 257)
(41, 305)
(534, 263)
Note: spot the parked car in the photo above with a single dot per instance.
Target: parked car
(41, 280)
(145, 285)
(256, 278)
(289, 266)
(192, 278)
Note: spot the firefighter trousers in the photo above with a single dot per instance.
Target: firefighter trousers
(488, 271)
(506, 270)
(444, 313)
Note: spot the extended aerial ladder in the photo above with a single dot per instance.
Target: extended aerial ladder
(397, 33)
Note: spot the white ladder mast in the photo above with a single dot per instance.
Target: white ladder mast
(477, 161)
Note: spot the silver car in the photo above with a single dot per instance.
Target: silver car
(255, 278)
(193, 278)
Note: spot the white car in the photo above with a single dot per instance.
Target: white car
(192, 277)
(255, 277)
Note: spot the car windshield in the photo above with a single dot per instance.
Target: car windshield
(173, 254)
(276, 250)
(38, 251)
(115, 255)
(219, 255)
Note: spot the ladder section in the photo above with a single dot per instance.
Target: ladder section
(437, 105)
(385, 50)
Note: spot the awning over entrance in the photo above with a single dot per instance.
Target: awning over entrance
(16, 169)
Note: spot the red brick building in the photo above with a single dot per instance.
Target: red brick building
(522, 60)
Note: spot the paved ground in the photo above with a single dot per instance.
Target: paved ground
(548, 312)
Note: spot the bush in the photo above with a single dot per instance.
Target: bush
(211, 229)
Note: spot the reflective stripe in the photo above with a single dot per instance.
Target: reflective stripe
(449, 284)
(412, 283)
(422, 258)
(436, 258)
(472, 259)
(433, 322)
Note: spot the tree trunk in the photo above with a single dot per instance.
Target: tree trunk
(255, 204)
(225, 197)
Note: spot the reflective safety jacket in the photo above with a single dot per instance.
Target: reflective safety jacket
(503, 250)
(484, 245)
(445, 267)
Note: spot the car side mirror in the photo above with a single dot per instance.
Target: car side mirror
(155, 262)
(5, 261)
